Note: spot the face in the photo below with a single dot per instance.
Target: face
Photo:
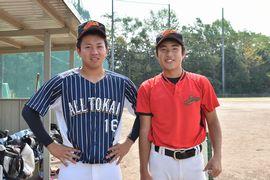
(93, 51)
(170, 56)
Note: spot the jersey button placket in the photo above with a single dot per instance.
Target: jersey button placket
(94, 120)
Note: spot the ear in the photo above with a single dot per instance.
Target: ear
(184, 56)
(156, 54)
(78, 51)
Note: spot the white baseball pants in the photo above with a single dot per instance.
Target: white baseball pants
(163, 167)
(81, 171)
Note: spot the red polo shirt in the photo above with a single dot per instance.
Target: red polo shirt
(178, 119)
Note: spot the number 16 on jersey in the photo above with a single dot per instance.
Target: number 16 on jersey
(111, 125)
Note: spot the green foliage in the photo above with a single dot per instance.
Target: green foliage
(247, 55)
(83, 12)
(20, 70)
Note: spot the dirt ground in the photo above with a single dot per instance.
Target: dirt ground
(245, 126)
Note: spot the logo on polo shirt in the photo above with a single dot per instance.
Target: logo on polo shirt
(191, 100)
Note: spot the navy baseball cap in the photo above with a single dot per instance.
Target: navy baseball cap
(169, 34)
(91, 26)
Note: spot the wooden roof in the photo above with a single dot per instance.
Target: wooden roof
(23, 24)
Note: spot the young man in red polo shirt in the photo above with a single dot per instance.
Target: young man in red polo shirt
(175, 107)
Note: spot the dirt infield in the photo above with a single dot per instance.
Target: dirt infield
(246, 140)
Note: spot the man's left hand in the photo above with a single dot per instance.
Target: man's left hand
(119, 150)
(213, 166)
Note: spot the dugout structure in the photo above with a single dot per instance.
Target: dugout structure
(35, 26)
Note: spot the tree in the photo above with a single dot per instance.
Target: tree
(134, 47)
(247, 55)
(255, 49)
(83, 12)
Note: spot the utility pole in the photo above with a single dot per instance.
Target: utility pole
(169, 8)
(169, 16)
(112, 34)
(1, 76)
(223, 55)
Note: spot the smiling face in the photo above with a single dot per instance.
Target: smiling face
(92, 51)
(170, 56)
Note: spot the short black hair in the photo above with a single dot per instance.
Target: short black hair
(79, 41)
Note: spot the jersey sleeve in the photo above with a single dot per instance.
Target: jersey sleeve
(46, 95)
(131, 92)
(143, 100)
(131, 95)
(209, 98)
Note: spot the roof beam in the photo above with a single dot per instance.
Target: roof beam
(34, 32)
(11, 42)
(50, 12)
(39, 38)
(73, 34)
(73, 10)
(15, 23)
(10, 20)
(36, 49)
(53, 14)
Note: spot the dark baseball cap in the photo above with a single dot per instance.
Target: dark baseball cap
(91, 26)
(169, 34)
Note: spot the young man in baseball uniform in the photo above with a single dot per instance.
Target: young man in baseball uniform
(175, 107)
(88, 102)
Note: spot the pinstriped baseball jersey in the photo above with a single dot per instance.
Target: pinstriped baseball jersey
(89, 114)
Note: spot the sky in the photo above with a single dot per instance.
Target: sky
(250, 15)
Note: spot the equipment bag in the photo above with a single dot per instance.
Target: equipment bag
(17, 161)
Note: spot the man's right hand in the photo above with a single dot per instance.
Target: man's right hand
(63, 153)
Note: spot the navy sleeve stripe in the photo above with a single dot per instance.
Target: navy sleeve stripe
(131, 95)
(46, 100)
(40, 95)
(46, 96)
(44, 92)
(131, 92)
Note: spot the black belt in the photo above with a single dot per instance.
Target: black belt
(179, 154)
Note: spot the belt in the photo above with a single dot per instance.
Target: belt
(179, 154)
